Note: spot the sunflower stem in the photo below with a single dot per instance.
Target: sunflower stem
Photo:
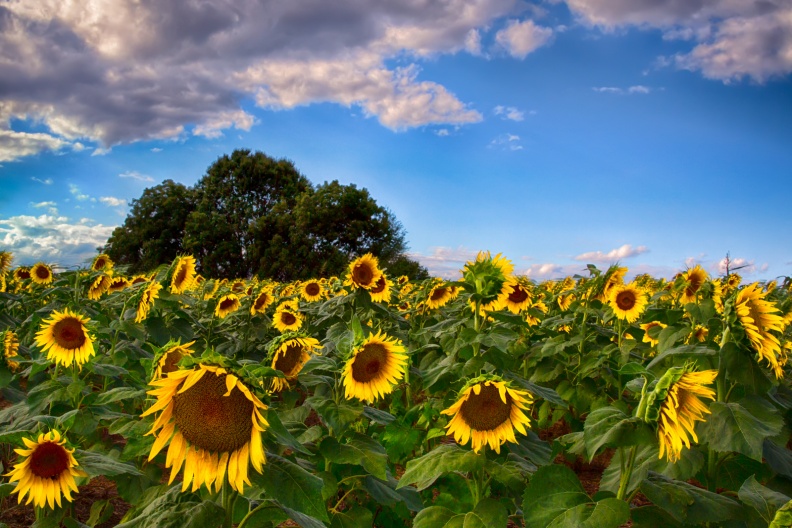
(249, 514)
(624, 480)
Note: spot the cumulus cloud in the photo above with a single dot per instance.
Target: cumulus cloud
(78, 195)
(112, 202)
(612, 256)
(521, 38)
(135, 175)
(736, 265)
(444, 261)
(509, 112)
(52, 238)
(15, 145)
(549, 270)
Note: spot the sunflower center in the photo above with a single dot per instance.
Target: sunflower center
(100, 264)
(211, 421)
(181, 275)
(49, 460)
(362, 274)
(23, 274)
(42, 272)
(694, 283)
(68, 333)
(227, 304)
(288, 318)
(625, 300)
(313, 289)
(369, 362)
(171, 359)
(261, 301)
(437, 294)
(486, 411)
(289, 358)
(380, 286)
(518, 295)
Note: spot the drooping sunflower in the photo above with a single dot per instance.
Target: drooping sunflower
(46, 473)
(118, 284)
(10, 349)
(374, 367)
(138, 279)
(183, 274)
(21, 273)
(65, 338)
(102, 262)
(647, 338)
(289, 355)
(760, 318)
(227, 304)
(146, 301)
(565, 300)
(99, 286)
(311, 290)
(5, 261)
(262, 301)
(166, 360)
(41, 274)
(516, 295)
(693, 280)
(287, 318)
(364, 272)
(628, 301)
(214, 424)
(381, 291)
(487, 412)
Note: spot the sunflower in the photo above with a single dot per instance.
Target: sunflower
(238, 286)
(516, 295)
(615, 276)
(138, 279)
(10, 349)
(759, 318)
(693, 280)
(628, 301)
(214, 424)
(402, 280)
(364, 272)
(5, 261)
(311, 290)
(287, 318)
(118, 284)
(487, 412)
(46, 473)
(487, 277)
(101, 263)
(169, 356)
(262, 301)
(647, 338)
(289, 355)
(374, 367)
(227, 304)
(65, 338)
(439, 296)
(381, 291)
(3, 284)
(146, 300)
(183, 274)
(699, 333)
(99, 286)
(681, 408)
(41, 274)
(564, 301)
(21, 273)
(733, 280)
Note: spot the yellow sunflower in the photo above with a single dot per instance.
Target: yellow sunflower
(46, 473)
(290, 356)
(238, 286)
(183, 276)
(439, 296)
(227, 304)
(10, 349)
(118, 284)
(628, 301)
(648, 326)
(615, 277)
(699, 333)
(169, 356)
(138, 279)
(487, 277)
(214, 424)
(364, 272)
(760, 318)
(147, 301)
(487, 413)
(210, 292)
(99, 286)
(693, 280)
(381, 291)
(374, 368)
(101, 263)
(65, 338)
(565, 300)
(681, 409)
(732, 281)
(262, 301)
(3, 284)
(287, 318)
(5, 261)
(516, 295)
(21, 274)
(311, 290)
(41, 274)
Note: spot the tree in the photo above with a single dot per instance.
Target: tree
(153, 232)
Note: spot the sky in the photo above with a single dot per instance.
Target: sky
(653, 133)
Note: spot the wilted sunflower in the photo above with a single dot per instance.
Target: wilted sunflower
(227, 304)
(262, 301)
(147, 297)
(374, 368)
(364, 272)
(289, 355)
(183, 275)
(311, 290)
(65, 338)
(487, 413)
(628, 301)
(381, 291)
(693, 280)
(101, 263)
(118, 284)
(41, 274)
(21, 273)
(287, 318)
(46, 473)
(647, 338)
(760, 318)
(166, 360)
(214, 424)
(99, 286)
(5, 261)
(10, 348)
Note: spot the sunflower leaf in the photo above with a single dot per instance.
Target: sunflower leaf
(173, 509)
(96, 464)
(355, 517)
(610, 427)
(360, 450)
(607, 513)
(741, 426)
(294, 488)
(437, 517)
(764, 500)
(687, 503)
(441, 460)
(551, 492)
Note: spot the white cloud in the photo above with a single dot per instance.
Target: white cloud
(15, 145)
(156, 149)
(637, 89)
(48, 181)
(549, 270)
(135, 175)
(112, 202)
(443, 132)
(444, 261)
(41, 205)
(612, 256)
(506, 142)
(509, 112)
(736, 265)
(51, 239)
(78, 195)
(473, 42)
(521, 38)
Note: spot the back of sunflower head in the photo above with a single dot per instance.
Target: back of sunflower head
(651, 400)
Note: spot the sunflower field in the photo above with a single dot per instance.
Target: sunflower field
(370, 400)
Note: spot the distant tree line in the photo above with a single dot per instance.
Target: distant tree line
(251, 215)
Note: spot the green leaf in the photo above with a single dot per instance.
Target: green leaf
(652, 517)
(537, 390)
(434, 517)
(385, 492)
(607, 513)
(439, 461)
(764, 500)
(282, 435)
(100, 512)
(646, 460)
(118, 394)
(292, 486)
(375, 415)
(174, 509)
(488, 513)
(684, 350)
(338, 416)
(610, 427)
(551, 492)
(360, 450)
(355, 517)
(741, 426)
(686, 503)
(96, 464)
(777, 457)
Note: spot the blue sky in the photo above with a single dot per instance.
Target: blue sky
(559, 133)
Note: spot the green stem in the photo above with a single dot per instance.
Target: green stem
(721, 395)
(228, 498)
(244, 522)
(624, 480)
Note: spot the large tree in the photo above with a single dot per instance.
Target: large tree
(153, 232)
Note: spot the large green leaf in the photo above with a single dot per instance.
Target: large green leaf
(741, 426)
(174, 509)
(610, 427)
(292, 486)
(646, 460)
(551, 492)
(337, 416)
(355, 517)
(687, 503)
(607, 512)
(764, 500)
(361, 450)
(778, 458)
(385, 492)
(489, 513)
(434, 517)
(118, 394)
(96, 464)
(441, 460)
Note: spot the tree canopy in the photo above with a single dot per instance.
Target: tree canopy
(250, 215)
